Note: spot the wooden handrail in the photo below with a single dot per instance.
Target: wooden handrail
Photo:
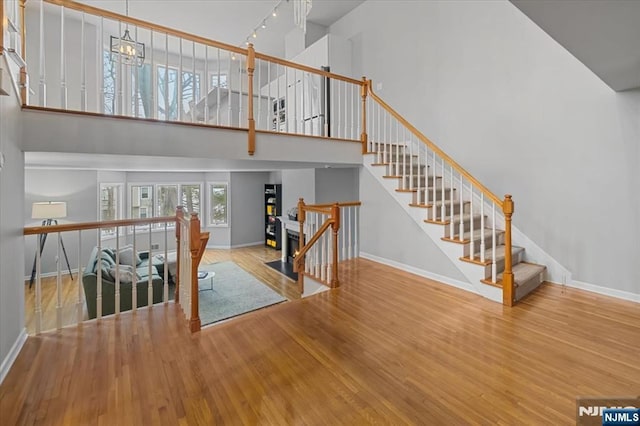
(434, 148)
(34, 230)
(81, 7)
(317, 209)
(345, 204)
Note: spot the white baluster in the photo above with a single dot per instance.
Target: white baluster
(39, 285)
(117, 283)
(194, 83)
(339, 115)
(482, 243)
(119, 80)
(329, 255)
(259, 91)
(149, 271)
(493, 244)
(350, 211)
(411, 185)
(398, 156)
(443, 196)
(433, 189)
(218, 91)
(83, 69)
(451, 212)
(229, 82)
(356, 232)
(346, 110)
(58, 284)
(63, 64)
(100, 69)
(303, 86)
(154, 81)
(99, 271)
(277, 111)
(135, 74)
(472, 237)
(79, 304)
(240, 81)
(43, 85)
(134, 280)
(165, 289)
(180, 89)
(461, 229)
(166, 77)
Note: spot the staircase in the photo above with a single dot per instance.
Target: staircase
(462, 218)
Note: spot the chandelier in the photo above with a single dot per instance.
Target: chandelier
(126, 50)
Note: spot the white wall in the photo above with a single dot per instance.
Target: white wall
(79, 188)
(336, 185)
(298, 183)
(387, 231)
(521, 114)
(11, 223)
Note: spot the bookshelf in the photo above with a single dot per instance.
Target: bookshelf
(272, 208)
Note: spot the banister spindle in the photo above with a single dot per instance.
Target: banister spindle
(38, 311)
(218, 89)
(443, 195)
(472, 237)
(451, 207)
(154, 80)
(494, 271)
(461, 199)
(99, 273)
(83, 69)
(194, 83)
(165, 290)
(117, 282)
(482, 243)
(134, 279)
(42, 89)
(433, 190)
(179, 83)
(150, 272)
(63, 64)
(79, 302)
(167, 115)
(58, 284)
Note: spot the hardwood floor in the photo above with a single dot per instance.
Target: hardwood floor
(387, 347)
(252, 259)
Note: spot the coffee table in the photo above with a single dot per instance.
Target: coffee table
(205, 279)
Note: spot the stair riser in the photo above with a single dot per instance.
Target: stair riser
(487, 242)
(467, 226)
(525, 288)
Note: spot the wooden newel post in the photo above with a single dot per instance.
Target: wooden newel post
(335, 227)
(179, 217)
(194, 248)
(363, 135)
(251, 66)
(508, 290)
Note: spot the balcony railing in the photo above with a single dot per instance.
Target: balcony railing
(108, 271)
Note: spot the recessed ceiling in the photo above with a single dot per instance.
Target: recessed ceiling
(603, 34)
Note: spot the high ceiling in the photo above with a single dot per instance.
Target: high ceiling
(230, 21)
(603, 34)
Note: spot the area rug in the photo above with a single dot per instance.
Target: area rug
(235, 292)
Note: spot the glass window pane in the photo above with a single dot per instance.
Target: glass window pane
(218, 212)
(167, 200)
(109, 83)
(190, 198)
(110, 205)
(141, 201)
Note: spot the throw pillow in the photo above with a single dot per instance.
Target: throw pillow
(128, 256)
(125, 272)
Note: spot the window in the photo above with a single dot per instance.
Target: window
(110, 205)
(218, 204)
(166, 200)
(167, 88)
(190, 197)
(218, 81)
(141, 201)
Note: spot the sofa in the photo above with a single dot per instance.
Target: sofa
(106, 260)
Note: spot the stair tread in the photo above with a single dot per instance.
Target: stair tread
(500, 254)
(477, 235)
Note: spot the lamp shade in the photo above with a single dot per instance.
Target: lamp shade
(49, 210)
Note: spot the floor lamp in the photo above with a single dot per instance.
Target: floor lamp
(49, 212)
